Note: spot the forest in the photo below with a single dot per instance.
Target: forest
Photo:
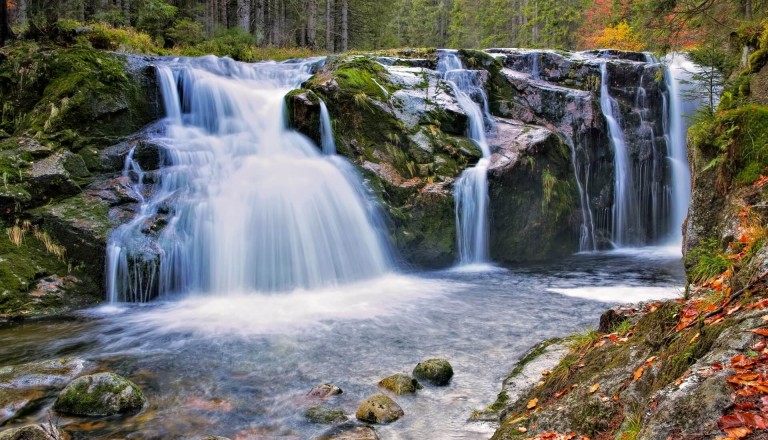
(329, 26)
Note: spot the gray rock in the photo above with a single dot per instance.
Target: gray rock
(400, 384)
(45, 431)
(435, 371)
(324, 391)
(49, 178)
(100, 395)
(379, 409)
(320, 414)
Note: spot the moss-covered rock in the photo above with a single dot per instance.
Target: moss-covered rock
(349, 431)
(400, 384)
(379, 409)
(321, 414)
(100, 394)
(435, 371)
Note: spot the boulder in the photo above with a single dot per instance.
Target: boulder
(100, 394)
(379, 409)
(320, 414)
(435, 371)
(400, 384)
(50, 178)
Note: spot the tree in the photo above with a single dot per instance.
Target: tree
(715, 65)
(620, 37)
(5, 25)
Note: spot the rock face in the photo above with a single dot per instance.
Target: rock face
(435, 371)
(74, 102)
(379, 409)
(400, 384)
(551, 146)
(100, 394)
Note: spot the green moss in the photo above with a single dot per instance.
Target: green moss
(758, 60)
(500, 91)
(362, 75)
(69, 94)
(81, 210)
(100, 394)
(319, 414)
(532, 354)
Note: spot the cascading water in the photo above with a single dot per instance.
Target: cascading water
(471, 188)
(625, 220)
(249, 204)
(326, 131)
(678, 69)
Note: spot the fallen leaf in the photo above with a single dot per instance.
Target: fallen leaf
(532, 403)
(694, 338)
(639, 372)
(522, 429)
(594, 388)
(762, 331)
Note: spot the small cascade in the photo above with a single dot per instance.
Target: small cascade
(587, 237)
(242, 204)
(326, 131)
(677, 70)
(626, 219)
(535, 74)
(471, 188)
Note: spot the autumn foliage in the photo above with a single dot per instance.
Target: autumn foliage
(620, 37)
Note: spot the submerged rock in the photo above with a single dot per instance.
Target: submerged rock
(44, 431)
(320, 414)
(379, 409)
(23, 385)
(435, 371)
(100, 394)
(350, 431)
(324, 391)
(400, 384)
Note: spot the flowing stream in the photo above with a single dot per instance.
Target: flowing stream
(240, 365)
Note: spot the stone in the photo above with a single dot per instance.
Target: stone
(49, 179)
(320, 414)
(379, 409)
(324, 391)
(400, 384)
(349, 431)
(44, 431)
(435, 371)
(100, 394)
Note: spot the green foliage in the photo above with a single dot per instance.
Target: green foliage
(186, 32)
(240, 45)
(706, 261)
(126, 40)
(154, 16)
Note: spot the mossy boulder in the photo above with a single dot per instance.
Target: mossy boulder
(44, 431)
(435, 371)
(379, 409)
(321, 414)
(400, 384)
(100, 394)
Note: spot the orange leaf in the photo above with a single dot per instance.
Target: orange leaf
(639, 372)
(594, 388)
(532, 403)
(762, 331)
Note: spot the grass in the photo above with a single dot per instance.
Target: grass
(706, 261)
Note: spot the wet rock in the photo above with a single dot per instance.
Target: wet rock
(49, 179)
(99, 395)
(379, 409)
(45, 431)
(324, 391)
(320, 414)
(350, 431)
(435, 371)
(45, 374)
(304, 112)
(400, 384)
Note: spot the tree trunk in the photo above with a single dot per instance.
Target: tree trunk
(259, 28)
(244, 14)
(5, 26)
(344, 25)
(312, 24)
(328, 26)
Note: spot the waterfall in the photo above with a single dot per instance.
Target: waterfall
(326, 131)
(471, 188)
(535, 65)
(587, 241)
(677, 70)
(625, 221)
(242, 204)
